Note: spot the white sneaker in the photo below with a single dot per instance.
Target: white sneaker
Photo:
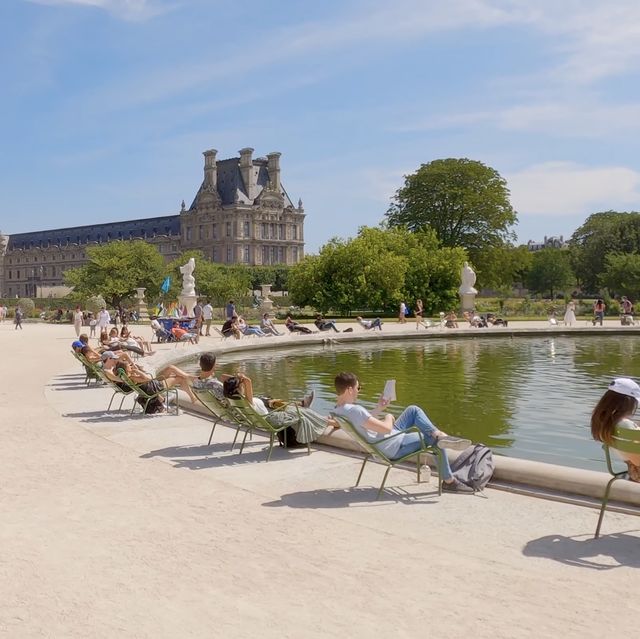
(453, 443)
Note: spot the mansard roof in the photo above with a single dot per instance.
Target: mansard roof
(125, 230)
(231, 186)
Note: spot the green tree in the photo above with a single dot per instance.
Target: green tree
(376, 270)
(116, 269)
(502, 267)
(621, 274)
(464, 201)
(550, 271)
(602, 234)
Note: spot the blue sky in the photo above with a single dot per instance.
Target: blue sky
(107, 105)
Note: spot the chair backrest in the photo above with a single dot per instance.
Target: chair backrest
(250, 416)
(349, 428)
(207, 398)
(626, 440)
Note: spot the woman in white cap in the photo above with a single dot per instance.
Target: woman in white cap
(616, 408)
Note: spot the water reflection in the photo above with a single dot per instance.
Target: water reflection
(525, 397)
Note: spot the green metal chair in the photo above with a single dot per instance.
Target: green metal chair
(372, 449)
(89, 368)
(221, 411)
(251, 420)
(626, 440)
(147, 397)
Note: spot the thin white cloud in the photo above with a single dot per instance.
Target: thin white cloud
(566, 188)
(124, 9)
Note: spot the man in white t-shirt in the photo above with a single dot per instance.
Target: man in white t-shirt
(207, 316)
(375, 427)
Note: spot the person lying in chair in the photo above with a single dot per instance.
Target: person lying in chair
(294, 327)
(375, 427)
(369, 324)
(323, 324)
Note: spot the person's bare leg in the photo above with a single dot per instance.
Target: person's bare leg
(181, 383)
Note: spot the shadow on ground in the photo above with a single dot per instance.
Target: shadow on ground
(347, 497)
(583, 551)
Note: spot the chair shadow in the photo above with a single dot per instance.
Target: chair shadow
(357, 496)
(102, 417)
(622, 548)
(202, 459)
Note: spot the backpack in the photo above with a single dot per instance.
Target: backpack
(474, 466)
(292, 442)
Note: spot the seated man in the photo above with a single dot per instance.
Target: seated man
(375, 428)
(451, 320)
(324, 324)
(267, 325)
(182, 335)
(80, 343)
(230, 327)
(370, 324)
(161, 333)
(294, 327)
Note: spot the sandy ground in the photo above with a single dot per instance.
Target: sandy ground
(130, 527)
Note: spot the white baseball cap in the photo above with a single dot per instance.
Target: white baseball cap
(625, 386)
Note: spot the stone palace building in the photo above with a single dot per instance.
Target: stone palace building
(241, 214)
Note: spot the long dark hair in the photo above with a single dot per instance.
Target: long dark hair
(611, 408)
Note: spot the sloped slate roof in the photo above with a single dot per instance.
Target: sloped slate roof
(127, 229)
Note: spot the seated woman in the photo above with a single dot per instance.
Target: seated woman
(245, 329)
(616, 408)
(267, 325)
(451, 321)
(230, 327)
(131, 340)
(307, 424)
(324, 324)
(475, 321)
(112, 342)
(369, 324)
(294, 327)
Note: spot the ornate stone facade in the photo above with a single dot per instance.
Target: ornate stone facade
(240, 214)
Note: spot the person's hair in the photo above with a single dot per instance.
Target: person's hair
(599, 301)
(175, 323)
(343, 381)
(359, 318)
(113, 331)
(231, 387)
(85, 349)
(154, 317)
(83, 338)
(207, 362)
(230, 301)
(265, 315)
(611, 408)
(103, 335)
(124, 331)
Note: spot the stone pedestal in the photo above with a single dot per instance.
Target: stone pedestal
(467, 301)
(189, 301)
(267, 304)
(143, 313)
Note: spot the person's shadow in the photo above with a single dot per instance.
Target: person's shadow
(605, 553)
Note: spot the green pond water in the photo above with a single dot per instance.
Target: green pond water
(528, 397)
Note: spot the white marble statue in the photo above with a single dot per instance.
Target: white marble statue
(188, 281)
(467, 280)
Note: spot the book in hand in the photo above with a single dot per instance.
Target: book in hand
(389, 392)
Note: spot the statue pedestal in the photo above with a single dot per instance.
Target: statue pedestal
(189, 301)
(267, 304)
(468, 301)
(143, 313)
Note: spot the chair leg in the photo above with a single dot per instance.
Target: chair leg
(605, 500)
(111, 402)
(122, 401)
(235, 438)
(271, 437)
(364, 463)
(244, 439)
(384, 479)
(215, 423)
(418, 467)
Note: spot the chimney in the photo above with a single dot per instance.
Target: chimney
(273, 167)
(246, 170)
(210, 170)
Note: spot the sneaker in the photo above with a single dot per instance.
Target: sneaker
(456, 486)
(306, 402)
(453, 443)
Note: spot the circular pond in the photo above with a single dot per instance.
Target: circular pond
(528, 397)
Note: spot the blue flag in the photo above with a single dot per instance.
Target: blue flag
(166, 284)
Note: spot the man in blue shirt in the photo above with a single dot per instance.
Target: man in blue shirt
(375, 427)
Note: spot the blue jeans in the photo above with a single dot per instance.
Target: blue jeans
(415, 416)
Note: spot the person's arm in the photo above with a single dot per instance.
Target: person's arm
(247, 385)
(384, 425)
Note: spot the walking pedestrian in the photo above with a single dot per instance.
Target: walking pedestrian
(18, 319)
(77, 321)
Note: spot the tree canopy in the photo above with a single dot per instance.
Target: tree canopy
(550, 272)
(116, 269)
(376, 270)
(465, 202)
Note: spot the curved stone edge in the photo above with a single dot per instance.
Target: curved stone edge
(564, 479)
